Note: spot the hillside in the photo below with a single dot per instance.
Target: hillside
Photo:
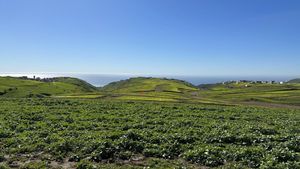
(77, 82)
(154, 89)
(244, 92)
(20, 87)
(143, 88)
(143, 84)
(294, 81)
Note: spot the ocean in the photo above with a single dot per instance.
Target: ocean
(104, 79)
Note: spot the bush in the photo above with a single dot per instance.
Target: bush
(2, 158)
(153, 152)
(105, 150)
(209, 156)
(35, 165)
(84, 164)
(251, 156)
(284, 155)
(124, 155)
(130, 145)
(5, 133)
(2, 166)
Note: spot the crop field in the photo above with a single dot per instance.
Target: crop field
(286, 94)
(96, 133)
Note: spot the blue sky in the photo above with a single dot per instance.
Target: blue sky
(172, 37)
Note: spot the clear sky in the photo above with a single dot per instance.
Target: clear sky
(174, 37)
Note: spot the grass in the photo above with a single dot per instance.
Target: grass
(148, 123)
(77, 82)
(156, 89)
(148, 85)
(17, 87)
(122, 134)
(268, 93)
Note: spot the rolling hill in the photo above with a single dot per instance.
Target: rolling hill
(77, 82)
(22, 87)
(154, 89)
(244, 92)
(294, 81)
(143, 88)
(144, 84)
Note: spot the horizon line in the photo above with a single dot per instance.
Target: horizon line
(137, 74)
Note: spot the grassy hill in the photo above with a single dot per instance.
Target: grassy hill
(77, 82)
(294, 81)
(20, 87)
(155, 89)
(247, 92)
(143, 88)
(148, 85)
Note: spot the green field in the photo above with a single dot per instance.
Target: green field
(288, 94)
(157, 89)
(20, 88)
(45, 133)
(148, 123)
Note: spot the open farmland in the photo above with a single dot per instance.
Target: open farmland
(93, 133)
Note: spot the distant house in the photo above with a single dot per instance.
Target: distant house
(280, 82)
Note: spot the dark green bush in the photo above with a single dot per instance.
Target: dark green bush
(105, 150)
(84, 164)
(209, 156)
(2, 158)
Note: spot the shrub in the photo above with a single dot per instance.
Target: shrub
(35, 165)
(105, 150)
(63, 147)
(84, 164)
(3, 166)
(209, 156)
(153, 152)
(124, 155)
(2, 158)
(251, 156)
(5, 133)
(284, 155)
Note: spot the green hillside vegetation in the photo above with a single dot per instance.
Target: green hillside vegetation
(155, 89)
(143, 88)
(19, 87)
(294, 81)
(77, 82)
(148, 123)
(145, 84)
(247, 92)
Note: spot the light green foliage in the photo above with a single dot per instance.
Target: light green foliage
(77, 82)
(156, 89)
(106, 134)
(143, 84)
(287, 93)
(17, 87)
